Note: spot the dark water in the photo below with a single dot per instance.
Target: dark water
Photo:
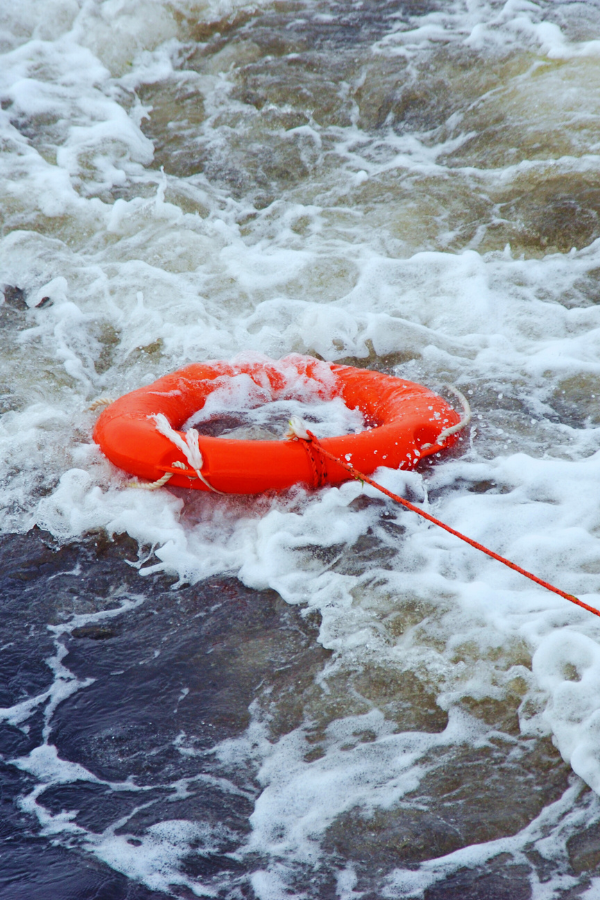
(163, 684)
(170, 680)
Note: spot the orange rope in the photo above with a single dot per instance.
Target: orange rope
(360, 476)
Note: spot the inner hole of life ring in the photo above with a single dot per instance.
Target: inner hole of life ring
(269, 421)
(240, 409)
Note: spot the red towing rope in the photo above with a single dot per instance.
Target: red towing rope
(360, 476)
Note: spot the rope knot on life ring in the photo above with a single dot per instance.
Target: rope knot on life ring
(145, 432)
(188, 444)
(298, 429)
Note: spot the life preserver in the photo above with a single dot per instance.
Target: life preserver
(140, 432)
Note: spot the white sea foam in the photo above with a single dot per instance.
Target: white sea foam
(492, 26)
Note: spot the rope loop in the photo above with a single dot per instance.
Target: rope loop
(99, 403)
(466, 418)
(190, 447)
(151, 486)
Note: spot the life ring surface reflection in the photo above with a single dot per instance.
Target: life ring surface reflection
(141, 432)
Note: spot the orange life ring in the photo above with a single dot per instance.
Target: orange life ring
(408, 422)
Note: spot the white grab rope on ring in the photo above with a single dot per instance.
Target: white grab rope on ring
(459, 425)
(152, 485)
(155, 485)
(101, 401)
(189, 447)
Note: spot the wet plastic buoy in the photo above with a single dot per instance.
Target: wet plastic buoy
(141, 434)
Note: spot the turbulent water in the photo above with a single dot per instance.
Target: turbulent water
(309, 695)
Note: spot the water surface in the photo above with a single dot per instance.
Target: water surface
(311, 695)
